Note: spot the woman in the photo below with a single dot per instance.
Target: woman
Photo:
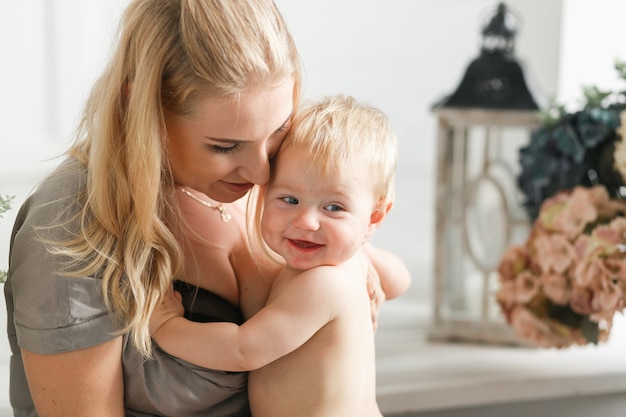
(196, 100)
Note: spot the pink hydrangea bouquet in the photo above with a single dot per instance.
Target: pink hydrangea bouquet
(565, 284)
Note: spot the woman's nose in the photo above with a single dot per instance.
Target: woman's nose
(256, 168)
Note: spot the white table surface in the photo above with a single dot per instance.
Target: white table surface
(415, 375)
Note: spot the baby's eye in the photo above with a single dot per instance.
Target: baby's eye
(333, 207)
(290, 200)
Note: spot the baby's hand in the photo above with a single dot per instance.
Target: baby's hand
(171, 306)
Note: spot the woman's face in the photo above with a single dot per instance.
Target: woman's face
(224, 147)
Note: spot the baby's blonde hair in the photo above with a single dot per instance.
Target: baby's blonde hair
(339, 130)
(169, 54)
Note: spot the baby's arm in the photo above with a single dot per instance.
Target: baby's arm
(395, 277)
(305, 306)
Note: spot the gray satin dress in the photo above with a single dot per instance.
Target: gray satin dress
(49, 313)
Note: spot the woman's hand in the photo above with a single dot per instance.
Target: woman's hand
(171, 306)
(376, 293)
(394, 276)
(388, 277)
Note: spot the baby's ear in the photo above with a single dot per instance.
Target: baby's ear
(378, 215)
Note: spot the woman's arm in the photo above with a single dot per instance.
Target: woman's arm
(86, 382)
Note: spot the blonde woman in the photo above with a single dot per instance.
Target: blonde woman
(196, 99)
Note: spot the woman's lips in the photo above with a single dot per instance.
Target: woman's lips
(237, 188)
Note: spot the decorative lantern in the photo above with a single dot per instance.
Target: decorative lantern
(481, 127)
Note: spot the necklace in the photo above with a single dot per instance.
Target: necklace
(224, 214)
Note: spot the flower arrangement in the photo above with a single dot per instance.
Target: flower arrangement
(572, 149)
(565, 284)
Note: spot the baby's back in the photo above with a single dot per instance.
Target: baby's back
(332, 375)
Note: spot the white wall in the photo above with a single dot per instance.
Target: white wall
(593, 37)
(399, 55)
(52, 51)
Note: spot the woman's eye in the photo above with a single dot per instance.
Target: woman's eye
(333, 207)
(284, 127)
(290, 200)
(224, 149)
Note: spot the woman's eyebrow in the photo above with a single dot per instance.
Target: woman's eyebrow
(224, 140)
(234, 141)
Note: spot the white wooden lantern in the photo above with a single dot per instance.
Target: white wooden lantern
(481, 127)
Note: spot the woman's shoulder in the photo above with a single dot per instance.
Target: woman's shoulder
(52, 312)
(67, 180)
(50, 212)
(57, 195)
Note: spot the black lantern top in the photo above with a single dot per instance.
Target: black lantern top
(499, 33)
(494, 80)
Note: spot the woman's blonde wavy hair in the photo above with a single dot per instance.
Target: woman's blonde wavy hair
(169, 53)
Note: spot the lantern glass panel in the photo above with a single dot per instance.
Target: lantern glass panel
(485, 216)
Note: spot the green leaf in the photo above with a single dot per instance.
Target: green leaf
(620, 66)
(5, 204)
(594, 96)
(553, 114)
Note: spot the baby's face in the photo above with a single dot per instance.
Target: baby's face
(312, 219)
